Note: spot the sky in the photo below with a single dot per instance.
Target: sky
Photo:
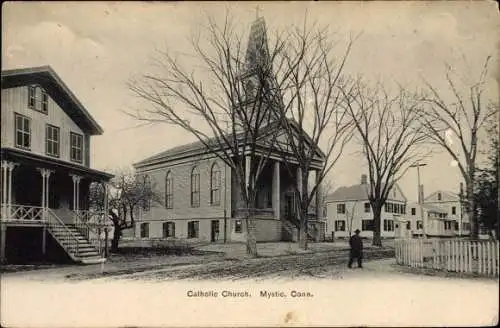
(97, 47)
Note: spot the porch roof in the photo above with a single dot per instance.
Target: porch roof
(23, 157)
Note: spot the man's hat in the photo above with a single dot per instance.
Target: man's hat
(357, 231)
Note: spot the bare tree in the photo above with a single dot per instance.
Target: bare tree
(225, 101)
(127, 193)
(462, 119)
(310, 114)
(391, 138)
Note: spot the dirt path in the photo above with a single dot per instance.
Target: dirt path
(291, 266)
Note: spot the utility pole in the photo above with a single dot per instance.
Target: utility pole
(420, 197)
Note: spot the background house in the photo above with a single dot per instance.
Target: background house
(348, 209)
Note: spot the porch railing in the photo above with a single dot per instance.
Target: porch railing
(61, 232)
(453, 255)
(15, 212)
(91, 224)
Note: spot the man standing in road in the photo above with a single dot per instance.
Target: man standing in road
(356, 249)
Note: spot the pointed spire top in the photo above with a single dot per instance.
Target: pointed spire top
(257, 11)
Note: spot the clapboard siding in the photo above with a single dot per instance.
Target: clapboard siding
(15, 100)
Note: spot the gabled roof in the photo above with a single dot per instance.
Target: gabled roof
(446, 196)
(55, 87)
(198, 148)
(355, 193)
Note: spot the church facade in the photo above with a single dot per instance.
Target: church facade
(201, 198)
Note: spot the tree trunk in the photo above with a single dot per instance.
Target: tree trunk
(377, 238)
(474, 228)
(302, 235)
(116, 239)
(251, 239)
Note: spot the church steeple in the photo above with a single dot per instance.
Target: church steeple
(257, 74)
(257, 49)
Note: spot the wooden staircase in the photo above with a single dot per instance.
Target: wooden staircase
(75, 243)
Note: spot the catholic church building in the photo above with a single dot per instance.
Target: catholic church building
(201, 198)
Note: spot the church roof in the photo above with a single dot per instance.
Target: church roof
(196, 148)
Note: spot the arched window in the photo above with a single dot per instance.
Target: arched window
(195, 187)
(169, 190)
(215, 179)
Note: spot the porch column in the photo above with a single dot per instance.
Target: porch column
(76, 192)
(299, 180)
(4, 189)
(276, 190)
(319, 196)
(247, 171)
(45, 188)
(10, 167)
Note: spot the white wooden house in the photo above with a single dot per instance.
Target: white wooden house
(348, 209)
(46, 173)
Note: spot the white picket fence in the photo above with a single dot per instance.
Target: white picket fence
(452, 255)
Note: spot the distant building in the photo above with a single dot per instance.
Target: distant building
(348, 209)
(442, 214)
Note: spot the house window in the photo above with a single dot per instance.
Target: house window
(76, 152)
(145, 230)
(413, 211)
(215, 185)
(367, 207)
(23, 132)
(31, 96)
(169, 190)
(195, 187)
(193, 229)
(420, 225)
(168, 229)
(453, 210)
(388, 225)
(341, 208)
(238, 226)
(408, 225)
(367, 225)
(52, 140)
(38, 99)
(439, 196)
(340, 225)
(403, 209)
(457, 226)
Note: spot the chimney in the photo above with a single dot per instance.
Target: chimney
(364, 179)
(421, 194)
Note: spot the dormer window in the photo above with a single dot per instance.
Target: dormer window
(38, 99)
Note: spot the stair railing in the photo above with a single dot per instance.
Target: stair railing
(68, 240)
(91, 225)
